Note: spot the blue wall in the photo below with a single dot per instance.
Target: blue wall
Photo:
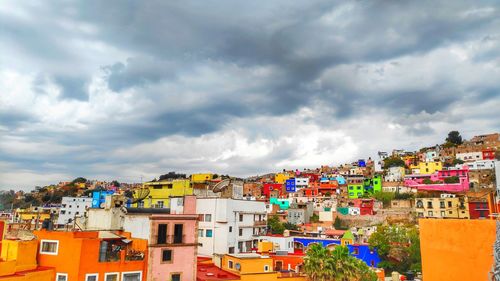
(99, 197)
(371, 258)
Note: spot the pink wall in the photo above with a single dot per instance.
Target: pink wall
(183, 254)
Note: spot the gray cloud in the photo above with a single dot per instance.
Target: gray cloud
(109, 75)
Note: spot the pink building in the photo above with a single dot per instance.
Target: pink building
(438, 181)
(172, 235)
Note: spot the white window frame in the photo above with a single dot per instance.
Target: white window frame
(131, 272)
(117, 274)
(96, 275)
(49, 253)
(61, 274)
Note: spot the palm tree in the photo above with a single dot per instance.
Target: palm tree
(321, 264)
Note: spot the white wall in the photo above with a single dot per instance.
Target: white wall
(282, 243)
(138, 225)
(225, 215)
(470, 156)
(72, 207)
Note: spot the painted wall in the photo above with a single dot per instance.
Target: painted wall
(462, 252)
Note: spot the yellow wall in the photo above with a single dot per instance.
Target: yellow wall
(454, 249)
(162, 191)
(454, 211)
(281, 177)
(248, 265)
(33, 215)
(265, 246)
(23, 252)
(201, 177)
(427, 168)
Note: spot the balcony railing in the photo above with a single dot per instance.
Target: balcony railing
(133, 255)
(170, 239)
(260, 223)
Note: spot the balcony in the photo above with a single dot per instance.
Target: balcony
(260, 223)
(170, 240)
(134, 255)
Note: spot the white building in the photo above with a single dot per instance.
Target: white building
(479, 165)
(229, 226)
(301, 182)
(470, 156)
(395, 174)
(380, 161)
(73, 207)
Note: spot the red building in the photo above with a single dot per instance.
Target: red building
(488, 154)
(268, 188)
(365, 206)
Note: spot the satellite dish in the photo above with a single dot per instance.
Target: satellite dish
(221, 185)
(139, 195)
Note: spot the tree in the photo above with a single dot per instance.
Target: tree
(398, 246)
(453, 179)
(290, 226)
(393, 162)
(454, 137)
(115, 183)
(321, 264)
(339, 224)
(79, 180)
(384, 197)
(274, 225)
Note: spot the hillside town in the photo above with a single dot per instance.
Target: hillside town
(392, 217)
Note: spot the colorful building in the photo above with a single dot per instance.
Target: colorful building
(426, 168)
(201, 178)
(438, 181)
(161, 191)
(281, 177)
(355, 190)
(445, 206)
(457, 249)
(18, 260)
(272, 189)
(360, 251)
(172, 237)
(93, 255)
(255, 267)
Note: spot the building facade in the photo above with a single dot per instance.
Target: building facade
(73, 207)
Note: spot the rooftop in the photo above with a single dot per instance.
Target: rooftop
(210, 272)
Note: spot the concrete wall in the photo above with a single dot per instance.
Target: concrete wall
(454, 249)
(138, 226)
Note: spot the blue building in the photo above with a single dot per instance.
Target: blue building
(99, 197)
(360, 251)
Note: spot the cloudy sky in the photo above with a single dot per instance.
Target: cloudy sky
(124, 89)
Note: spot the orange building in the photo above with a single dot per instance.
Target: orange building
(455, 249)
(93, 255)
(18, 260)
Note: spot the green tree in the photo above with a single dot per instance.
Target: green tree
(454, 137)
(290, 226)
(384, 197)
(79, 180)
(453, 179)
(393, 162)
(321, 264)
(398, 246)
(274, 225)
(115, 183)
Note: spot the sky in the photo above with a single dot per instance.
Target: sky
(130, 90)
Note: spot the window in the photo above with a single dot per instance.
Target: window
(209, 233)
(162, 234)
(443, 213)
(159, 204)
(230, 264)
(175, 277)
(111, 276)
(241, 217)
(200, 232)
(49, 247)
(132, 276)
(430, 214)
(61, 277)
(240, 232)
(208, 217)
(140, 204)
(429, 204)
(441, 204)
(178, 233)
(449, 204)
(266, 268)
(230, 229)
(91, 277)
(355, 251)
(231, 250)
(166, 255)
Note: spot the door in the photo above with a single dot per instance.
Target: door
(279, 265)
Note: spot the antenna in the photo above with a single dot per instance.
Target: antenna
(221, 185)
(139, 195)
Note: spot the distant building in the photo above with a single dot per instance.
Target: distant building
(161, 191)
(445, 206)
(73, 207)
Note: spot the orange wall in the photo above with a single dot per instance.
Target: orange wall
(454, 249)
(79, 255)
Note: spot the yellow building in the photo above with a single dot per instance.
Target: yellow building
(18, 261)
(161, 191)
(281, 177)
(254, 267)
(445, 206)
(200, 178)
(426, 168)
(23, 215)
